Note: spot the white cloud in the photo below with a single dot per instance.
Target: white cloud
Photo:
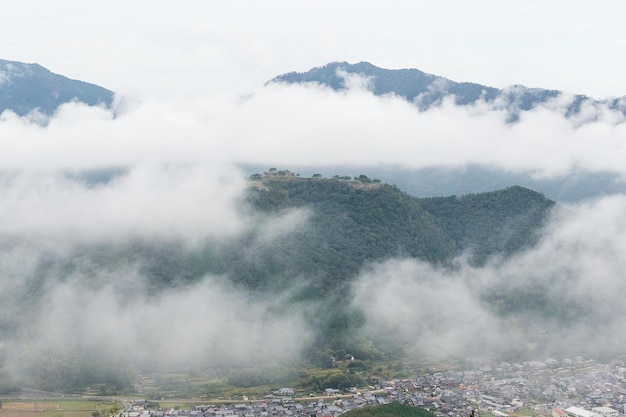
(206, 323)
(282, 224)
(307, 125)
(310, 125)
(183, 202)
(433, 311)
(575, 276)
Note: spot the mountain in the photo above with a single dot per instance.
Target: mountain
(27, 87)
(498, 222)
(362, 219)
(346, 225)
(426, 90)
(308, 243)
(355, 222)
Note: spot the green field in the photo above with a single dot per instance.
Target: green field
(168, 390)
(49, 408)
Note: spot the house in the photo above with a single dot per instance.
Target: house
(577, 412)
(603, 412)
(286, 391)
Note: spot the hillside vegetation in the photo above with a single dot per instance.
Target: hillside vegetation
(351, 226)
(389, 410)
(332, 230)
(358, 224)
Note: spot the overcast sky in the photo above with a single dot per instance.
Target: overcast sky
(167, 48)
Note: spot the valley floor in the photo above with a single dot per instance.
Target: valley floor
(501, 389)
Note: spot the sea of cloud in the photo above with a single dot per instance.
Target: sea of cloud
(178, 182)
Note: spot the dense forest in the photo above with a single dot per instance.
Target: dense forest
(360, 221)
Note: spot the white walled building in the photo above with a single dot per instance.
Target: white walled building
(604, 412)
(577, 412)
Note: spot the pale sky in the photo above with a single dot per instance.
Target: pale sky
(182, 48)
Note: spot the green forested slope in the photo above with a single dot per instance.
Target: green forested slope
(499, 222)
(308, 267)
(389, 410)
(358, 224)
(349, 225)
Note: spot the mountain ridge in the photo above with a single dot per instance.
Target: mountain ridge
(426, 90)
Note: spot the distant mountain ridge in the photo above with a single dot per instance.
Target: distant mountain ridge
(426, 90)
(27, 87)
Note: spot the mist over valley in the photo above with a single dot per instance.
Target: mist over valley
(251, 238)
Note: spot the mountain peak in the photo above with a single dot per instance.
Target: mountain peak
(27, 87)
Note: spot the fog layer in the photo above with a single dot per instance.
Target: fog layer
(569, 288)
(176, 185)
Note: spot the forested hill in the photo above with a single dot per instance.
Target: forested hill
(503, 221)
(357, 221)
(307, 243)
(353, 223)
(321, 234)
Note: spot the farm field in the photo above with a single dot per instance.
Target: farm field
(54, 408)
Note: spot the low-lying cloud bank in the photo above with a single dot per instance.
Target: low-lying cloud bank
(90, 271)
(178, 201)
(571, 285)
(176, 183)
(296, 125)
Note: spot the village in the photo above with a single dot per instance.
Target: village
(556, 388)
